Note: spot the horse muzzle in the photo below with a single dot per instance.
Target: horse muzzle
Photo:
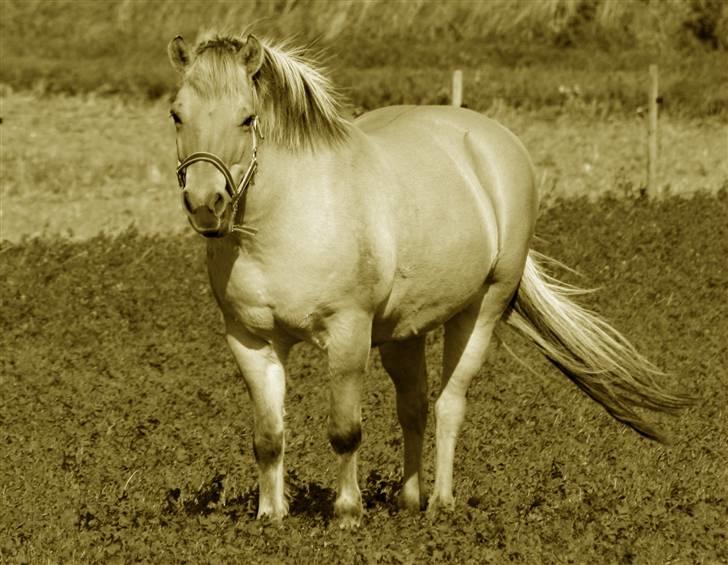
(211, 211)
(208, 212)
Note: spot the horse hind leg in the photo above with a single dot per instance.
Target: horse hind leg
(406, 365)
(467, 337)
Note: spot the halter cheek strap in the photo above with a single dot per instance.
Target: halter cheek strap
(234, 191)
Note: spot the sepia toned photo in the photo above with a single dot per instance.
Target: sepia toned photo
(363, 281)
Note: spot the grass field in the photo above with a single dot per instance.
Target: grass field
(126, 432)
(86, 164)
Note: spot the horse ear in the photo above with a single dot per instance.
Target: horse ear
(178, 53)
(252, 55)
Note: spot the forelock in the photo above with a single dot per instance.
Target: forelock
(216, 69)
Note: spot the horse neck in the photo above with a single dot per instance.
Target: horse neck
(283, 172)
(292, 182)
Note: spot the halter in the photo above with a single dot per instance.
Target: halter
(235, 192)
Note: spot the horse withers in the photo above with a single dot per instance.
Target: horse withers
(349, 235)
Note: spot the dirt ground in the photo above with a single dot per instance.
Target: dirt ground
(126, 431)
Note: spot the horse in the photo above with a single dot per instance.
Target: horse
(356, 234)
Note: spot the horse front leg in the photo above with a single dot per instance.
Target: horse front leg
(262, 367)
(348, 345)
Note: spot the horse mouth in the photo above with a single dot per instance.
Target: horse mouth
(209, 231)
(212, 234)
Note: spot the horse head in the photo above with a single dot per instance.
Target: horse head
(214, 112)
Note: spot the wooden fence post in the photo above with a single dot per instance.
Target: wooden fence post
(457, 88)
(654, 190)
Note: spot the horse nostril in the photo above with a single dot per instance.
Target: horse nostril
(186, 201)
(218, 205)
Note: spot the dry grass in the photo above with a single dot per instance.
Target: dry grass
(86, 164)
(523, 47)
(649, 23)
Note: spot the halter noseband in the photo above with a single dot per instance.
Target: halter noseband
(235, 192)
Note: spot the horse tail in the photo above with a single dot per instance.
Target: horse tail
(590, 352)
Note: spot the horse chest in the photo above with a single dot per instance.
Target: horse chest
(242, 296)
(245, 294)
(240, 289)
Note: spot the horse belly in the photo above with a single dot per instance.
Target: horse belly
(420, 312)
(436, 277)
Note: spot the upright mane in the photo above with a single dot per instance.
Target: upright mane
(297, 105)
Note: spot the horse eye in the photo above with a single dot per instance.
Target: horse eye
(175, 117)
(247, 122)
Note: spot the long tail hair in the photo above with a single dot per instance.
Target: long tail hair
(590, 352)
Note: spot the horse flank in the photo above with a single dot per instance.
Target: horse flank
(297, 105)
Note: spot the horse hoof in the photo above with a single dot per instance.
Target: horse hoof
(349, 522)
(273, 515)
(437, 506)
(348, 515)
(410, 503)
